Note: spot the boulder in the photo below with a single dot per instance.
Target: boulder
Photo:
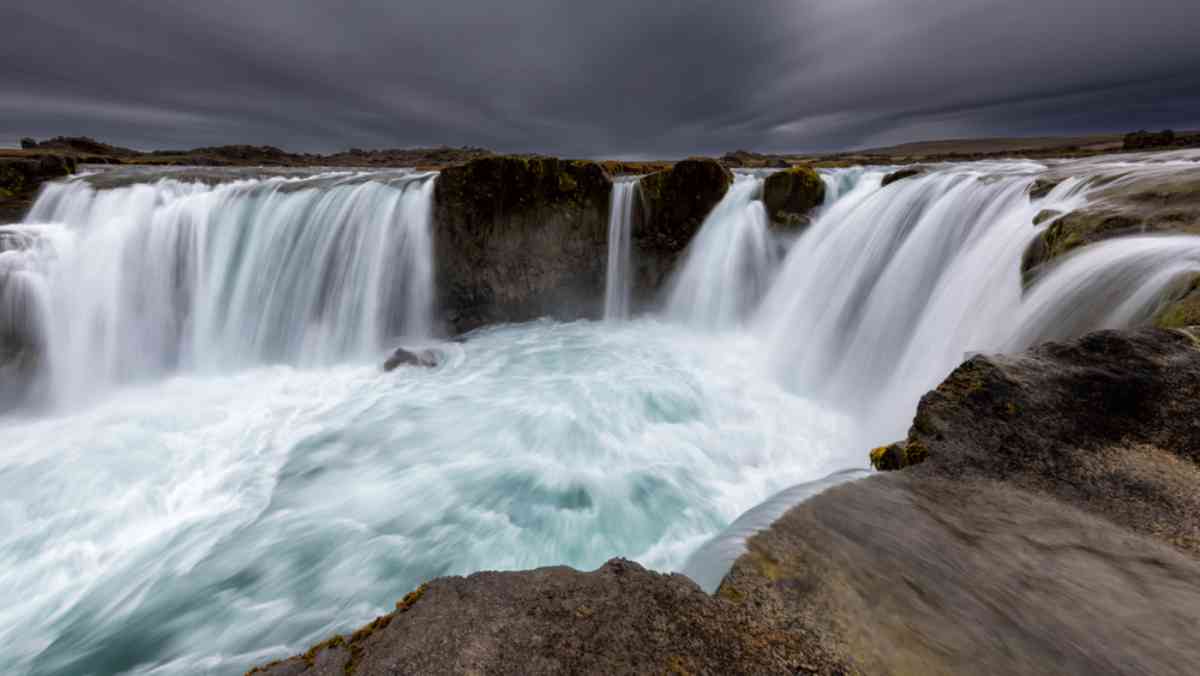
(403, 357)
(669, 208)
(518, 238)
(1043, 186)
(21, 177)
(790, 195)
(901, 174)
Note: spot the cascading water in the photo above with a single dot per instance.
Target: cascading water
(618, 280)
(151, 278)
(730, 263)
(274, 487)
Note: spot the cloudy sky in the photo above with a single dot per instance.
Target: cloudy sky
(614, 78)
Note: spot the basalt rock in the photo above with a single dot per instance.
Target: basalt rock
(790, 195)
(669, 208)
(518, 238)
(21, 177)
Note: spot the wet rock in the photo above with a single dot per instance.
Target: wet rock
(21, 177)
(518, 238)
(1046, 215)
(1043, 186)
(1164, 203)
(902, 174)
(619, 619)
(403, 357)
(1181, 307)
(790, 195)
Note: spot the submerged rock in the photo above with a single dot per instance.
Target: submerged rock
(790, 195)
(402, 357)
(518, 238)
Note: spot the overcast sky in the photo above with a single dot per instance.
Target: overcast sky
(610, 78)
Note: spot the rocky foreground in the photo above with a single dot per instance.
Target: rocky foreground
(1051, 525)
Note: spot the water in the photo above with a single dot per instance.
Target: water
(210, 521)
(224, 475)
(729, 264)
(618, 280)
(151, 278)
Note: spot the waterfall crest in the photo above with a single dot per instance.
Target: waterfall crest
(618, 280)
(149, 278)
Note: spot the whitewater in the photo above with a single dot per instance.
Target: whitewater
(213, 470)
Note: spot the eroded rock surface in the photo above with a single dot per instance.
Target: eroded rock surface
(518, 238)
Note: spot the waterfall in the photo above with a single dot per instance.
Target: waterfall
(618, 281)
(149, 278)
(729, 264)
(890, 287)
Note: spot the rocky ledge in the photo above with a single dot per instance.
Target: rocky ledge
(1048, 522)
(21, 177)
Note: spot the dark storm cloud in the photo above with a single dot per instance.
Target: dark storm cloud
(610, 78)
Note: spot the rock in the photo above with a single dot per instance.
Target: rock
(1167, 203)
(790, 195)
(898, 456)
(1181, 305)
(669, 208)
(1043, 186)
(21, 177)
(1056, 521)
(1046, 215)
(402, 357)
(518, 238)
(28, 143)
(901, 174)
(619, 619)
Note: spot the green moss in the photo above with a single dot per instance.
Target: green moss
(1183, 307)
(899, 455)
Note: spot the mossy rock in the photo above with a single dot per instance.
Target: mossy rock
(1043, 186)
(1071, 232)
(1182, 306)
(899, 455)
(1046, 215)
(790, 195)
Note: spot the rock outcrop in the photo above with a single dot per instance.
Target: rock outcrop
(619, 619)
(405, 357)
(669, 208)
(20, 178)
(790, 195)
(1167, 203)
(518, 238)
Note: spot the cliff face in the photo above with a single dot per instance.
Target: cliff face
(1051, 525)
(669, 208)
(517, 238)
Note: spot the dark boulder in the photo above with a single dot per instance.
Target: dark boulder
(1043, 186)
(790, 195)
(403, 357)
(669, 208)
(901, 174)
(21, 177)
(518, 238)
